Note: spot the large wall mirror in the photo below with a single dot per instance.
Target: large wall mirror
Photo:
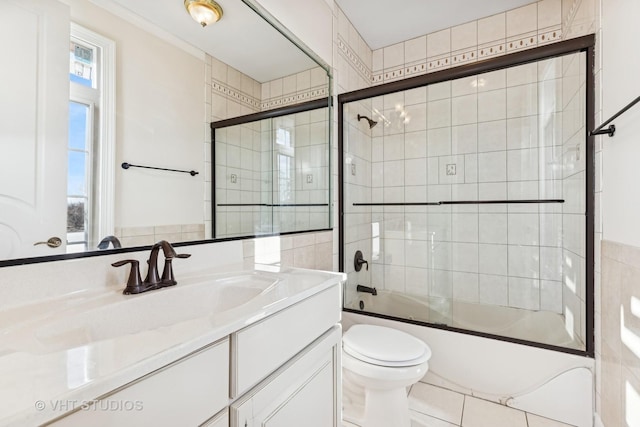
(105, 120)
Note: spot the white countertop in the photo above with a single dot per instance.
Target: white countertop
(45, 371)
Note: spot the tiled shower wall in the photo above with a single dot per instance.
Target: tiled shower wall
(529, 26)
(620, 339)
(299, 171)
(358, 67)
(537, 283)
(243, 156)
(574, 183)
(492, 137)
(357, 188)
(239, 151)
(229, 94)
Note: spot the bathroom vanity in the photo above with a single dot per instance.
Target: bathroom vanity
(244, 348)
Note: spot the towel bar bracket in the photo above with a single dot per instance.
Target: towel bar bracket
(611, 131)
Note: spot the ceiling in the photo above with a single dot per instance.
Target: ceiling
(241, 38)
(383, 23)
(248, 43)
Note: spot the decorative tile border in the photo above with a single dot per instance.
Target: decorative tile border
(521, 42)
(391, 74)
(549, 36)
(437, 63)
(489, 50)
(234, 94)
(415, 69)
(465, 56)
(308, 95)
(347, 52)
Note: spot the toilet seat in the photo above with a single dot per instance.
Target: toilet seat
(384, 346)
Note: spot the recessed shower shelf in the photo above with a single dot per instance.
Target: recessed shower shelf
(463, 202)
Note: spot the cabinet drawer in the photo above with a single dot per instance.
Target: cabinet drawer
(220, 420)
(260, 349)
(185, 393)
(303, 392)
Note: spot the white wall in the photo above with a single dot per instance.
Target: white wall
(620, 85)
(159, 114)
(311, 22)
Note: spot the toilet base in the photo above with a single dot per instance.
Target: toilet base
(384, 408)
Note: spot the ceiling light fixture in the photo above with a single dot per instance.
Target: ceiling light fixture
(204, 12)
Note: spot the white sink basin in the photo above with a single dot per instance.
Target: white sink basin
(115, 315)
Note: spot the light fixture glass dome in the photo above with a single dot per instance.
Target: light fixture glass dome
(204, 12)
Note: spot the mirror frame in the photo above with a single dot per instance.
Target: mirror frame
(271, 20)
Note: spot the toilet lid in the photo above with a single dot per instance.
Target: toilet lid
(384, 346)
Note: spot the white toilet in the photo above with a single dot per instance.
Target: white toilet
(384, 362)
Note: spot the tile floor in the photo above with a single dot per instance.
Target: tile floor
(438, 407)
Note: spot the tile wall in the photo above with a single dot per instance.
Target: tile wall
(300, 171)
(529, 26)
(275, 161)
(144, 236)
(620, 339)
(229, 93)
(352, 71)
(305, 250)
(238, 163)
(495, 136)
(573, 183)
(359, 234)
(244, 157)
(582, 17)
(511, 256)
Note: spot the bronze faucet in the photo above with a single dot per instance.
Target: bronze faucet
(104, 243)
(153, 280)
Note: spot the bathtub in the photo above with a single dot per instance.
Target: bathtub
(548, 383)
(538, 326)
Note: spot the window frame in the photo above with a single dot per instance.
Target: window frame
(102, 211)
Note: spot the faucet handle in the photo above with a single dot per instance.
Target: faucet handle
(134, 282)
(358, 260)
(168, 278)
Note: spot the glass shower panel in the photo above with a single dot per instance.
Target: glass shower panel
(468, 200)
(272, 175)
(240, 166)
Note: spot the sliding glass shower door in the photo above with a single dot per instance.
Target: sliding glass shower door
(468, 199)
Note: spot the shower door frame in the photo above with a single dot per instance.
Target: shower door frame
(581, 44)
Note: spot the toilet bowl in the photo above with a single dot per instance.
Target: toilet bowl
(384, 362)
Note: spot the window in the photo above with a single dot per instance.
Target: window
(91, 148)
(285, 165)
(79, 174)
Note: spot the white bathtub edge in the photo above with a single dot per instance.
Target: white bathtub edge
(501, 371)
(578, 410)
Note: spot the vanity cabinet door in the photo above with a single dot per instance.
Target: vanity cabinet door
(261, 348)
(220, 420)
(304, 392)
(185, 393)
